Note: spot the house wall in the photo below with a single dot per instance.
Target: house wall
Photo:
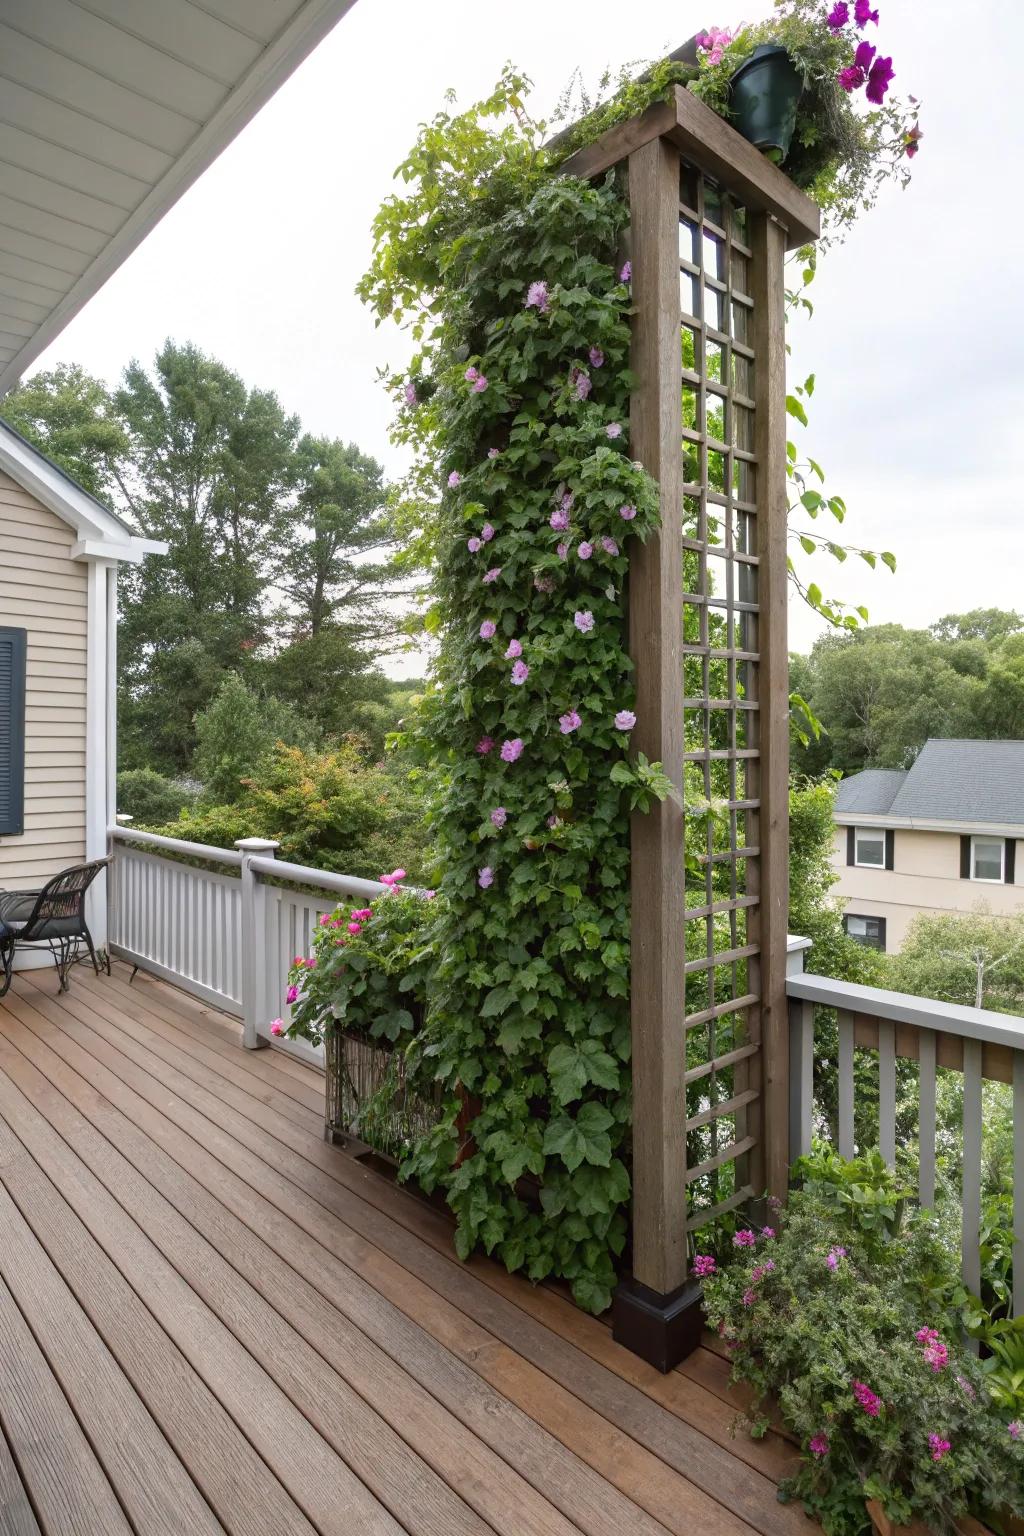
(925, 878)
(45, 592)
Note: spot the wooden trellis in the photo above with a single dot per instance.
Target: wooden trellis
(711, 221)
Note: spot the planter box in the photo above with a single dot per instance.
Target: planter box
(967, 1526)
(368, 1095)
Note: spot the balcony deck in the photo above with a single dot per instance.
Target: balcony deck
(212, 1321)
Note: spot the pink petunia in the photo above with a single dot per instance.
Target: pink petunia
(868, 1400)
(625, 720)
(596, 357)
(583, 620)
(537, 297)
(559, 519)
(499, 816)
(471, 375)
(609, 545)
(355, 927)
(514, 649)
(454, 479)
(479, 384)
(938, 1447)
(491, 575)
(299, 960)
(520, 672)
(745, 1238)
(569, 722)
(838, 16)
(512, 750)
(277, 1026)
(487, 533)
(485, 878)
(473, 545)
(862, 13)
(627, 513)
(411, 398)
(819, 1445)
(485, 745)
(292, 995)
(704, 1265)
(585, 550)
(399, 874)
(488, 629)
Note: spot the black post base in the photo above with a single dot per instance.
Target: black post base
(661, 1329)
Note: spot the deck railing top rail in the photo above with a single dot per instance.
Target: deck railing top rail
(901, 1008)
(179, 846)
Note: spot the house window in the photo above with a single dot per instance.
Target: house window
(987, 855)
(869, 847)
(869, 931)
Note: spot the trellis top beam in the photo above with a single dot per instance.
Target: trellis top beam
(708, 140)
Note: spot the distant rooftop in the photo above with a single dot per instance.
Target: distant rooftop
(955, 781)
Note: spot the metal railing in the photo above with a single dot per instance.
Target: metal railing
(895, 1026)
(221, 923)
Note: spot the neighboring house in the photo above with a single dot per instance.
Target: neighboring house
(943, 836)
(59, 553)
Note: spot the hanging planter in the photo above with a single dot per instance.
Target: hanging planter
(766, 91)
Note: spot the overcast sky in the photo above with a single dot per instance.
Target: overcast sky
(917, 336)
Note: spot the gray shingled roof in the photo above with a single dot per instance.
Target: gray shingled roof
(872, 791)
(956, 781)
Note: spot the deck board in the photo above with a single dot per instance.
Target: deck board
(291, 1330)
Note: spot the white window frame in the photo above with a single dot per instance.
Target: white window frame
(872, 832)
(1000, 843)
(864, 940)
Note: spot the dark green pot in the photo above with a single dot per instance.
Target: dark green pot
(765, 92)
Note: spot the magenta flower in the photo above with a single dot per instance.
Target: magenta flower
(520, 672)
(473, 545)
(851, 78)
(499, 816)
(714, 43)
(879, 78)
(292, 995)
(583, 620)
(562, 550)
(625, 720)
(485, 877)
(494, 453)
(580, 381)
(454, 479)
(938, 1446)
(479, 385)
(862, 13)
(585, 550)
(491, 575)
(537, 297)
(356, 927)
(569, 722)
(411, 398)
(488, 629)
(767, 1231)
(760, 1270)
(749, 1297)
(912, 142)
(862, 58)
(627, 513)
(838, 16)
(935, 1352)
(868, 1400)
(325, 921)
(387, 879)
(626, 275)
(613, 429)
(596, 357)
(471, 375)
(704, 1265)
(512, 751)
(559, 519)
(609, 546)
(514, 650)
(834, 1257)
(819, 1445)
(744, 1238)
(398, 874)
(487, 533)
(485, 745)
(300, 961)
(277, 1026)
(1015, 1429)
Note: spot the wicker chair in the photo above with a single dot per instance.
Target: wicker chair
(54, 916)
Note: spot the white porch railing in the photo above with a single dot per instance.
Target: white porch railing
(979, 1044)
(221, 926)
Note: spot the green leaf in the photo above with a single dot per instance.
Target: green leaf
(811, 500)
(794, 407)
(889, 559)
(496, 1002)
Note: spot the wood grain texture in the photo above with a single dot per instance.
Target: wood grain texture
(16, 1516)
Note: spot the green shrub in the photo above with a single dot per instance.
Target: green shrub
(236, 734)
(150, 798)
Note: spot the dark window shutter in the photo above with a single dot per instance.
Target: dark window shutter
(965, 857)
(1009, 863)
(851, 845)
(12, 731)
(881, 933)
(890, 849)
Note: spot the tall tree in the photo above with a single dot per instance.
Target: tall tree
(69, 415)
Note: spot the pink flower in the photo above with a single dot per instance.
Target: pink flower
(363, 913)
(744, 1238)
(862, 58)
(299, 960)
(583, 620)
(559, 519)
(485, 745)
(499, 816)
(613, 429)
(862, 13)
(626, 275)
(596, 357)
(387, 879)
(488, 629)
(879, 78)
(311, 963)
(580, 381)
(514, 650)
(520, 672)
(454, 479)
(767, 1231)
(562, 550)
(609, 545)
(569, 722)
(325, 921)
(704, 1265)
(512, 750)
(714, 43)
(485, 877)
(277, 1026)
(491, 575)
(760, 1270)
(627, 513)
(819, 1445)
(966, 1387)
(838, 16)
(935, 1352)
(625, 720)
(554, 820)
(868, 1400)
(938, 1446)
(494, 453)
(479, 385)
(410, 394)
(1015, 1429)
(357, 927)
(487, 533)
(399, 874)
(292, 995)
(851, 78)
(585, 550)
(473, 545)
(471, 375)
(912, 141)
(834, 1256)
(749, 1297)
(537, 297)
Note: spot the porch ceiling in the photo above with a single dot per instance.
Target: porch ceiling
(109, 110)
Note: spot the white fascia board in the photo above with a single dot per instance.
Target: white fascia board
(128, 551)
(924, 824)
(57, 493)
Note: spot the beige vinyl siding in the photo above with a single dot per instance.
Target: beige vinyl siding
(44, 591)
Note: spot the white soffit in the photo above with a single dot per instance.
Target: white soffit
(109, 110)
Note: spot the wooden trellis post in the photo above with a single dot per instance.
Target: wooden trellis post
(711, 220)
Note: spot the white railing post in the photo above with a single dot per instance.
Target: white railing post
(253, 938)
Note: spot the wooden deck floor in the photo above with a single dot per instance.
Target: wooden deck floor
(211, 1321)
